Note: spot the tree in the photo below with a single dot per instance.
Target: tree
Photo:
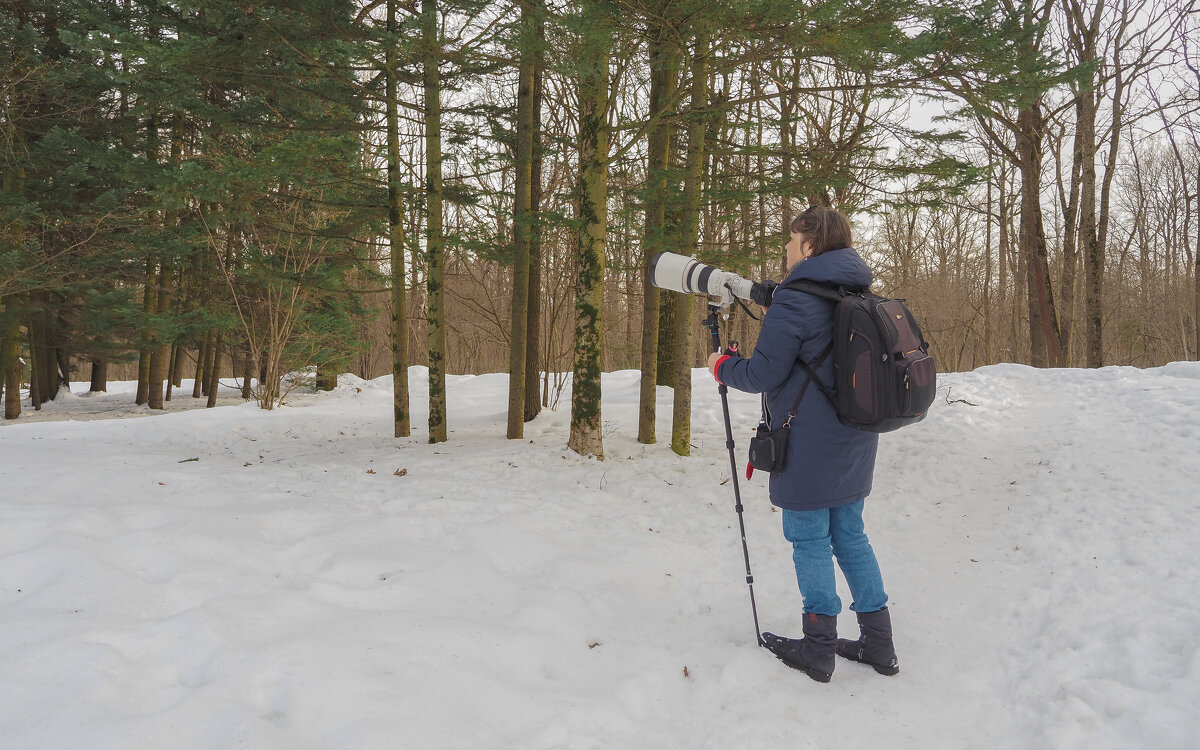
(993, 58)
(663, 51)
(269, 197)
(1133, 33)
(63, 169)
(689, 231)
(399, 328)
(595, 43)
(523, 217)
(533, 326)
(434, 240)
(10, 362)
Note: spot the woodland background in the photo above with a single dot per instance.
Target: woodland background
(235, 189)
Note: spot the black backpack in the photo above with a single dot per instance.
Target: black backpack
(883, 376)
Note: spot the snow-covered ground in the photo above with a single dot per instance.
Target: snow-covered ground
(211, 579)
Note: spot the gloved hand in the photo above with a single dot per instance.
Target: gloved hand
(716, 358)
(762, 291)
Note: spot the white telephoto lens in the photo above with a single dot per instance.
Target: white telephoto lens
(675, 272)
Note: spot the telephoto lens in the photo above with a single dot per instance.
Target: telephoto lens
(681, 273)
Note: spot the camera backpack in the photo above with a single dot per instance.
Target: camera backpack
(884, 378)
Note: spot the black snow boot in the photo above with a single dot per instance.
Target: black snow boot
(814, 654)
(874, 644)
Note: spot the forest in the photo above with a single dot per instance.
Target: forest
(273, 192)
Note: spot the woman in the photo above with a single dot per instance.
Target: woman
(829, 466)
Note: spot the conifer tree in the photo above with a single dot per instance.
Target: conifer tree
(63, 161)
(993, 59)
(272, 194)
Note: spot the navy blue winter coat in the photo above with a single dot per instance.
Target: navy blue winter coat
(828, 464)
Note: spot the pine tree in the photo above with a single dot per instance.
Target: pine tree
(270, 196)
(993, 59)
(64, 201)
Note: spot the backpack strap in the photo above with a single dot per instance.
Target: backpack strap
(833, 293)
(812, 374)
(829, 291)
(812, 378)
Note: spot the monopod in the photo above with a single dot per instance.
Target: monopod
(713, 325)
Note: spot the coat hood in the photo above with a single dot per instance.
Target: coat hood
(843, 266)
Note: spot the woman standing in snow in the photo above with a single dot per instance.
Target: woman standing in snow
(829, 466)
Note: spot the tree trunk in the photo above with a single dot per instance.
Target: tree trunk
(665, 368)
(1043, 323)
(435, 303)
(99, 382)
(174, 362)
(270, 383)
(586, 436)
(10, 367)
(1081, 38)
(62, 362)
(213, 373)
(248, 375)
(1095, 303)
(533, 402)
(10, 336)
(161, 354)
(212, 365)
(175, 349)
(43, 357)
(5, 365)
(1088, 230)
(1074, 218)
(787, 106)
(522, 214)
(664, 63)
(201, 360)
(689, 237)
(178, 364)
(987, 281)
(400, 398)
(1002, 240)
(149, 305)
(35, 394)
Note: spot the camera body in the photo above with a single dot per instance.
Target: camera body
(681, 273)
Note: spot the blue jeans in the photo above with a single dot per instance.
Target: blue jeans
(817, 537)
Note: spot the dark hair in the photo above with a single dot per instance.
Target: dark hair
(825, 228)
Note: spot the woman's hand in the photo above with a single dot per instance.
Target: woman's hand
(712, 362)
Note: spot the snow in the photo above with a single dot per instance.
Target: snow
(229, 577)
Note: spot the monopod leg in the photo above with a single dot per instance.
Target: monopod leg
(713, 326)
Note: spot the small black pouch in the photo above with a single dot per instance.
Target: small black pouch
(768, 448)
